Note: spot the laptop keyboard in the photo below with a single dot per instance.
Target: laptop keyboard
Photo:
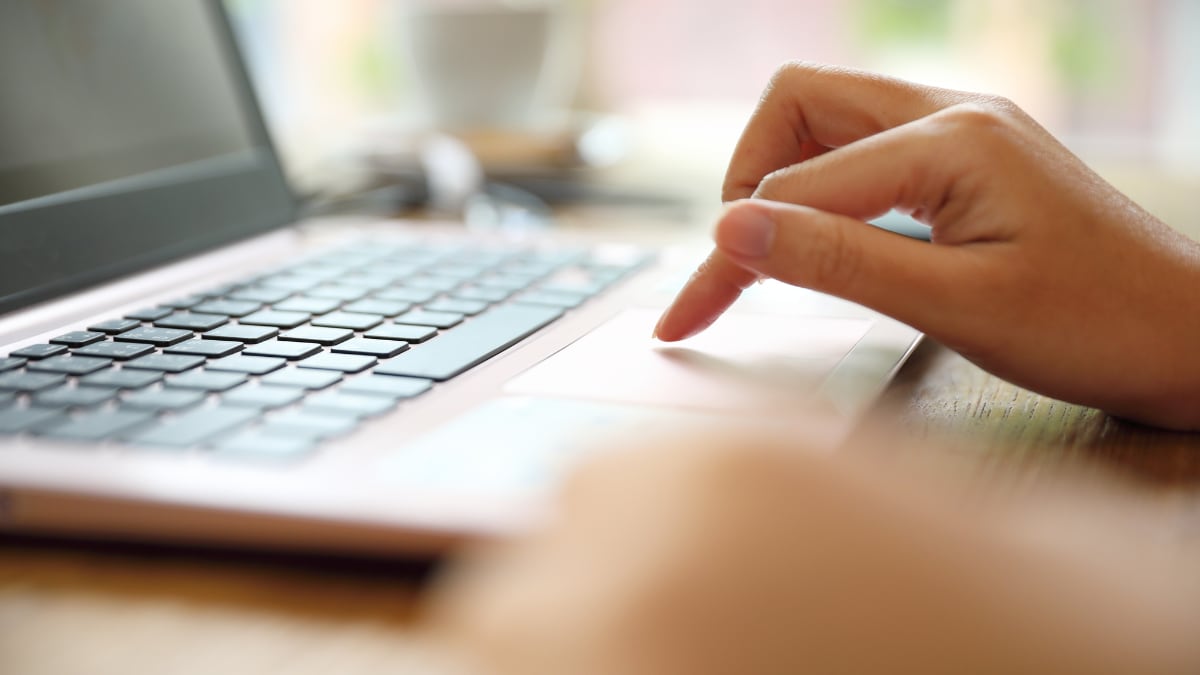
(272, 366)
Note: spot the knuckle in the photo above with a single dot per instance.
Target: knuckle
(984, 113)
(795, 73)
(974, 116)
(789, 71)
(833, 261)
(1000, 105)
(977, 124)
(797, 76)
(777, 185)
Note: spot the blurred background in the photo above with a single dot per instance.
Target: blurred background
(645, 98)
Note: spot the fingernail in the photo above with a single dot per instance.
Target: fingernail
(662, 320)
(746, 233)
(654, 333)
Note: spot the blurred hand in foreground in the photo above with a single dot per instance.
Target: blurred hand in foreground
(752, 558)
(1040, 272)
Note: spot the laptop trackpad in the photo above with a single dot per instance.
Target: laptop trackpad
(616, 383)
(745, 361)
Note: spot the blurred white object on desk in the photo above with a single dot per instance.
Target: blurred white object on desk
(485, 65)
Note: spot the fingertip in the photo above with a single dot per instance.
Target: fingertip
(654, 334)
(711, 290)
(674, 325)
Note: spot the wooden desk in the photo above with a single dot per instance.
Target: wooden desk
(74, 610)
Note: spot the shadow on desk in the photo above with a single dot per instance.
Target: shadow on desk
(306, 584)
(939, 394)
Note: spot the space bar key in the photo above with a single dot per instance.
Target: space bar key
(472, 343)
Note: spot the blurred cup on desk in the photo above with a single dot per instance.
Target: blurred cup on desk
(487, 65)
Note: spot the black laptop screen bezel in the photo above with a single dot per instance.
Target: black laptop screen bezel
(112, 233)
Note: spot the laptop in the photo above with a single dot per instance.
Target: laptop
(183, 362)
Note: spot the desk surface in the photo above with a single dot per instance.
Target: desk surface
(72, 610)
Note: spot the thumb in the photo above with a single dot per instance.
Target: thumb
(916, 282)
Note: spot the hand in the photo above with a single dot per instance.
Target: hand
(745, 557)
(1039, 272)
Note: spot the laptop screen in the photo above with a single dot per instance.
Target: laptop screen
(127, 137)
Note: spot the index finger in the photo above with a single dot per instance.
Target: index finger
(808, 109)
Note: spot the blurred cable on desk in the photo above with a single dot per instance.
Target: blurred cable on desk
(441, 175)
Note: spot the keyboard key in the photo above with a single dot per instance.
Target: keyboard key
(228, 307)
(167, 363)
(418, 256)
(309, 305)
(557, 257)
(262, 397)
(412, 295)
(468, 307)
(115, 350)
(351, 260)
(357, 406)
(289, 282)
(510, 284)
(284, 350)
(39, 351)
(320, 272)
(482, 294)
(7, 398)
(369, 282)
(399, 331)
(587, 287)
(528, 270)
(78, 338)
(378, 348)
(472, 344)
(206, 380)
(392, 386)
(254, 365)
(114, 326)
(552, 298)
(70, 365)
(159, 337)
(73, 397)
(459, 272)
(380, 307)
(321, 336)
(392, 272)
(263, 445)
(309, 424)
(266, 296)
(438, 284)
(11, 363)
(240, 333)
(121, 379)
(164, 400)
(201, 347)
(478, 258)
(194, 426)
(17, 420)
(346, 363)
(192, 321)
(348, 320)
(302, 379)
(95, 426)
(270, 317)
(420, 317)
(341, 292)
(149, 313)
